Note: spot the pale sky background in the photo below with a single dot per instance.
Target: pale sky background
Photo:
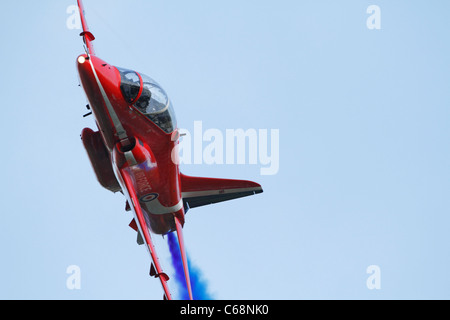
(364, 173)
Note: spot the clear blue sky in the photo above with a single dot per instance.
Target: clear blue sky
(363, 117)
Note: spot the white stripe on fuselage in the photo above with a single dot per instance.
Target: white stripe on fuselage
(121, 133)
(155, 207)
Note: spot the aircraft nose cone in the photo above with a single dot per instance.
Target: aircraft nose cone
(82, 59)
(83, 64)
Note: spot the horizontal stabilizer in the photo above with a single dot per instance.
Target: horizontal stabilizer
(197, 192)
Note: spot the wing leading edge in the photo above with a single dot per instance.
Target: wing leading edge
(140, 223)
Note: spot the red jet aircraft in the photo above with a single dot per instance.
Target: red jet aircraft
(132, 153)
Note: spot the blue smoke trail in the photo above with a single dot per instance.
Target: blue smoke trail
(198, 282)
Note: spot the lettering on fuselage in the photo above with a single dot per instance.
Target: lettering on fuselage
(142, 183)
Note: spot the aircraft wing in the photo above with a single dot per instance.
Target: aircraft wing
(141, 224)
(197, 192)
(88, 37)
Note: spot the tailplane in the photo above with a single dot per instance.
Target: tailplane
(197, 192)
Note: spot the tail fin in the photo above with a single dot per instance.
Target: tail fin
(88, 37)
(197, 192)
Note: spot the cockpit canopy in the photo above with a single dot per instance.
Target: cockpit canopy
(152, 100)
